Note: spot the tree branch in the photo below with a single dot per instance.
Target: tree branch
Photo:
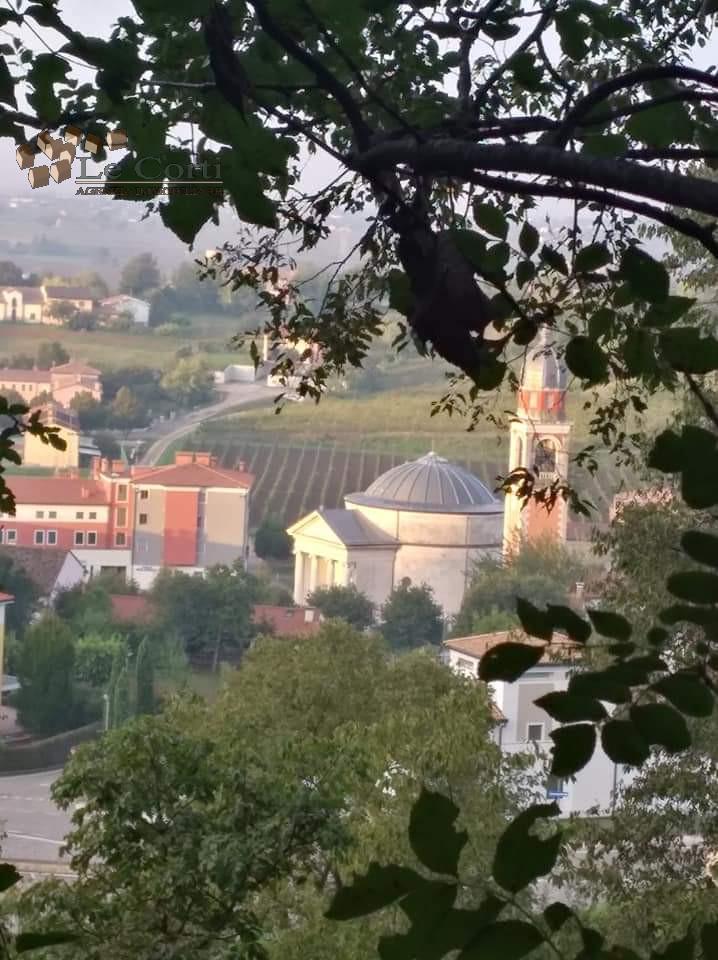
(445, 157)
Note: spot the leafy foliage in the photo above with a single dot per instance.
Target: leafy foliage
(344, 603)
(411, 618)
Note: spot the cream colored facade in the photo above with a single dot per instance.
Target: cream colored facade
(427, 521)
(39, 454)
(5, 599)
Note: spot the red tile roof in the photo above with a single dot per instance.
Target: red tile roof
(560, 648)
(58, 490)
(193, 475)
(68, 293)
(24, 376)
(6, 598)
(131, 608)
(287, 621)
(76, 367)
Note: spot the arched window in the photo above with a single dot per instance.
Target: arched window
(546, 456)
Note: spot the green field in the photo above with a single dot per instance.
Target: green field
(108, 349)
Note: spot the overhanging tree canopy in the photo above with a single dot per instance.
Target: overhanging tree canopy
(447, 121)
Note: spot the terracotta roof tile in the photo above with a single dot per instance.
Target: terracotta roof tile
(69, 293)
(560, 648)
(42, 565)
(193, 475)
(59, 490)
(287, 621)
(131, 608)
(24, 376)
(81, 369)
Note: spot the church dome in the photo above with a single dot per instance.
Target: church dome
(430, 484)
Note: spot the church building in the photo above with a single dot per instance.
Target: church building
(429, 520)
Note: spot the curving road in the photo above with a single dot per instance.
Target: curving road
(33, 827)
(236, 396)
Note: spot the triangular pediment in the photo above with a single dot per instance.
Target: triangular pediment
(315, 527)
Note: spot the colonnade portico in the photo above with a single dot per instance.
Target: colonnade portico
(312, 570)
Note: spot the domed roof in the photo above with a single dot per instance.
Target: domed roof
(430, 484)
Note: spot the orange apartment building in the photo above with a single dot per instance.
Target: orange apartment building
(187, 516)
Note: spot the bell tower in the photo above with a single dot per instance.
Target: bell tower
(539, 440)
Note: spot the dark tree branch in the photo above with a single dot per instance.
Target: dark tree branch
(451, 158)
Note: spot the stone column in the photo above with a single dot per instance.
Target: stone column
(299, 591)
(333, 573)
(312, 573)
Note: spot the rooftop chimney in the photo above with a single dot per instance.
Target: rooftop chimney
(183, 457)
(241, 466)
(203, 459)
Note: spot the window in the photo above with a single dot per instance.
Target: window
(80, 515)
(122, 516)
(555, 787)
(143, 519)
(51, 538)
(79, 538)
(534, 731)
(120, 540)
(463, 663)
(144, 494)
(39, 514)
(11, 536)
(52, 514)
(92, 515)
(39, 538)
(122, 492)
(92, 539)
(546, 456)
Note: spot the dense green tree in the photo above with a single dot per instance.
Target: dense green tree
(126, 408)
(271, 541)
(144, 679)
(410, 617)
(94, 657)
(189, 381)
(541, 571)
(51, 353)
(192, 293)
(15, 581)
(140, 275)
(10, 274)
(46, 702)
(343, 603)
(120, 702)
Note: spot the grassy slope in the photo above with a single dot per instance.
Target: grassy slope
(142, 348)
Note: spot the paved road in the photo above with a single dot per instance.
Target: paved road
(235, 396)
(33, 826)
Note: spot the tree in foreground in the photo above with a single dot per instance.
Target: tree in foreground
(411, 618)
(343, 603)
(222, 830)
(144, 679)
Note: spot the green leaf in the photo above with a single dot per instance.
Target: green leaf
(660, 724)
(666, 454)
(623, 743)
(566, 619)
(8, 876)
(491, 374)
(528, 239)
(611, 625)
(573, 748)
(687, 351)
(571, 708)
(472, 245)
(666, 313)
(687, 692)
(702, 547)
(554, 259)
(605, 145)
(661, 126)
(509, 661)
(709, 939)
(592, 257)
(527, 73)
(522, 857)
(586, 360)
(34, 941)
(245, 190)
(647, 278)
(401, 298)
(683, 949)
(432, 834)
(186, 214)
(573, 34)
(696, 586)
(600, 684)
(377, 888)
(500, 31)
(503, 940)
(7, 85)
(535, 622)
(255, 147)
(47, 70)
(525, 272)
(557, 914)
(491, 219)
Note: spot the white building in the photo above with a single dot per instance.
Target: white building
(138, 310)
(525, 726)
(427, 520)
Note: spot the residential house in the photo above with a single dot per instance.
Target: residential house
(187, 516)
(51, 569)
(5, 600)
(526, 727)
(79, 451)
(61, 383)
(21, 304)
(138, 310)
